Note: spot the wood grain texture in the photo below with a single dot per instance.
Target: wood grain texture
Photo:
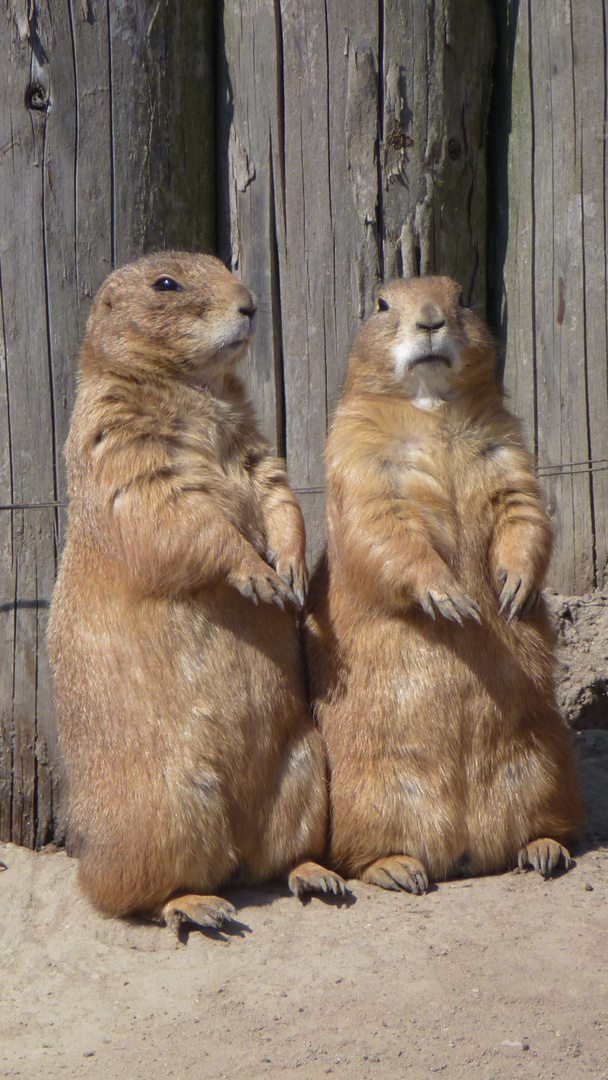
(106, 149)
(549, 274)
(353, 141)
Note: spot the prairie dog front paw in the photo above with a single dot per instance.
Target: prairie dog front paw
(256, 580)
(293, 572)
(519, 592)
(450, 601)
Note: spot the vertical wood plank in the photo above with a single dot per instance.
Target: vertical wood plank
(511, 214)
(93, 164)
(551, 284)
(28, 555)
(588, 30)
(298, 129)
(437, 66)
(328, 252)
(559, 294)
(250, 116)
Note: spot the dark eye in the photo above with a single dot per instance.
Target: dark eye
(167, 284)
(383, 304)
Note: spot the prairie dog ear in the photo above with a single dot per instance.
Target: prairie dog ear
(105, 299)
(381, 301)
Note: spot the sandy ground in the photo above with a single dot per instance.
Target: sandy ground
(492, 978)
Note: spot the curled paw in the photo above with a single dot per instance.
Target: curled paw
(203, 911)
(294, 575)
(397, 872)
(519, 594)
(451, 602)
(543, 855)
(256, 580)
(310, 877)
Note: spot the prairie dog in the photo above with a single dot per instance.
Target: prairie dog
(429, 648)
(191, 756)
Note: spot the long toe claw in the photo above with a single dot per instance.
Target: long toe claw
(203, 911)
(427, 606)
(397, 872)
(545, 856)
(530, 603)
(310, 877)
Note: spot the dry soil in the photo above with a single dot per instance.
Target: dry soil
(496, 978)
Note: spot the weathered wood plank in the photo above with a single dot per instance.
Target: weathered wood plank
(591, 151)
(552, 280)
(559, 292)
(437, 67)
(328, 252)
(299, 128)
(511, 201)
(27, 570)
(249, 122)
(106, 149)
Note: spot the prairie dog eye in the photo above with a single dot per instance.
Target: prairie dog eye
(383, 304)
(167, 284)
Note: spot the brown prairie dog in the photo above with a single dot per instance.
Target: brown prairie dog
(191, 756)
(429, 649)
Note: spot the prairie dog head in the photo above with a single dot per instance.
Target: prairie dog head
(422, 343)
(172, 311)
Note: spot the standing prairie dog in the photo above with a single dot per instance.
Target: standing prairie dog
(429, 650)
(191, 756)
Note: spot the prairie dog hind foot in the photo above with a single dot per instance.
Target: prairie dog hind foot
(203, 911)
(544, 855)
(310, 877)
(399, 872)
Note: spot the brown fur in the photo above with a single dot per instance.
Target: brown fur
(445, 744)
(190, 752)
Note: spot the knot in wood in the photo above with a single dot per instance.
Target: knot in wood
(454, 149)
(395, 138)
(36, 97)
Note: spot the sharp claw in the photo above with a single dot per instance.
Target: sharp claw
(530, 603)
(475, 612)
(451, 611)
(427, 606)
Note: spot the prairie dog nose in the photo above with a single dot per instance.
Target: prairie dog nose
(249, 304)
(430, 318)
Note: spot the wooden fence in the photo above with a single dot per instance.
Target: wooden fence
(317, 148)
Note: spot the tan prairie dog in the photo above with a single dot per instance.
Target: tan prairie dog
(430, 652)
(191, 756)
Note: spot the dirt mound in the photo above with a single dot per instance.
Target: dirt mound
(582, 685)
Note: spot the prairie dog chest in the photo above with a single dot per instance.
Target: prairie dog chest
(448, 474)
(220, 456)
